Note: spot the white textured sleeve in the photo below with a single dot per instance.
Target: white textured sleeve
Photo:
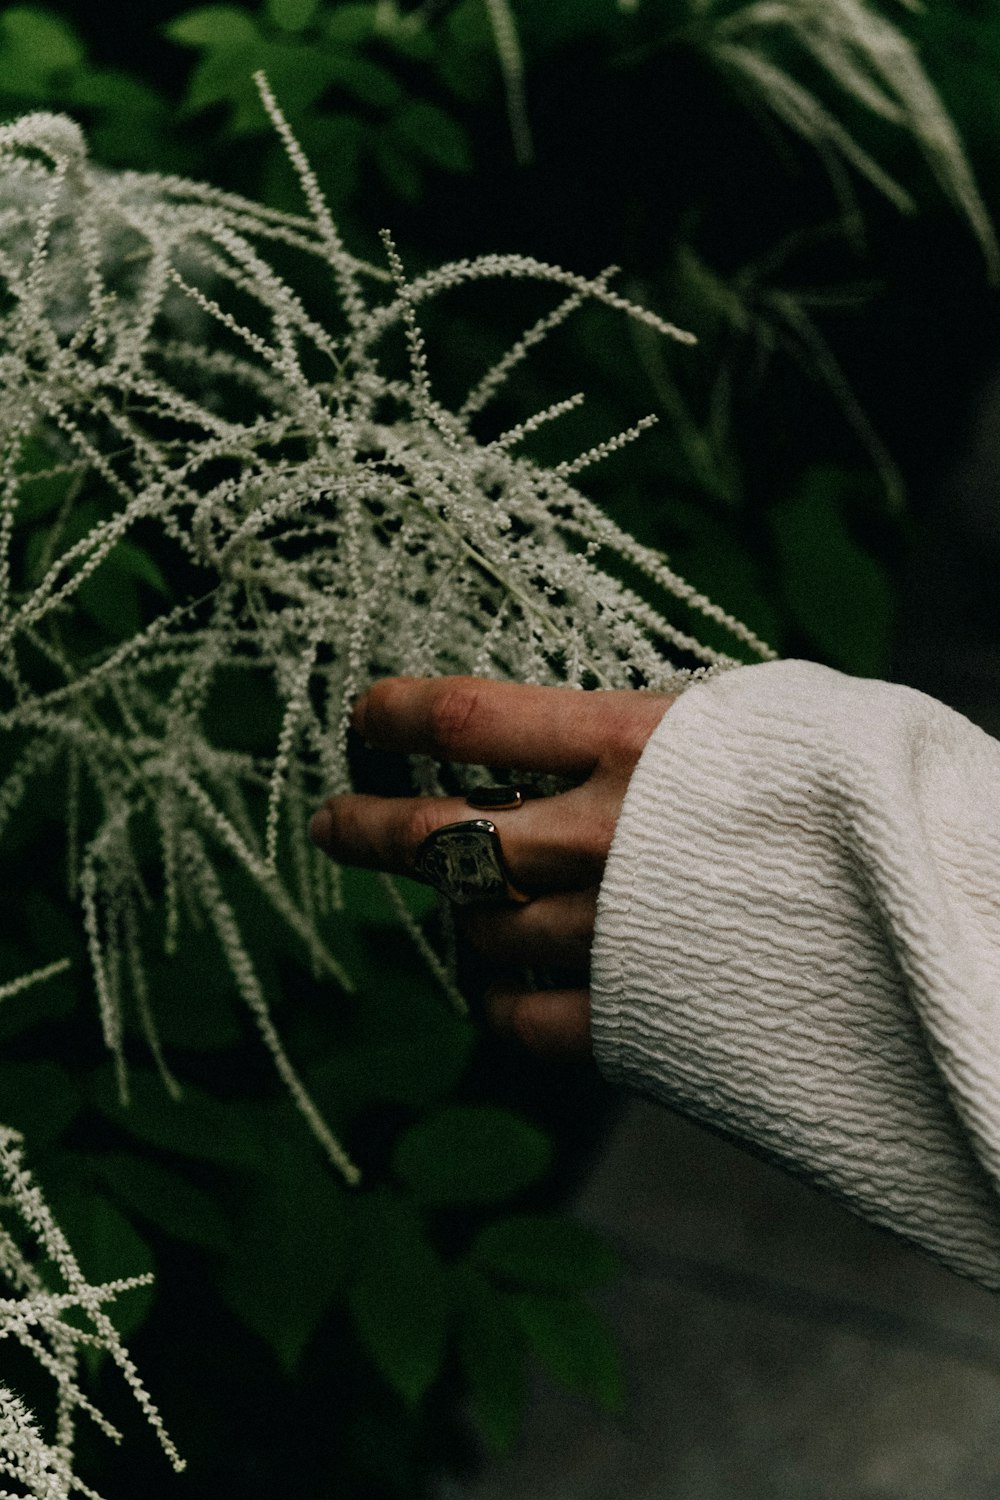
(798, 941)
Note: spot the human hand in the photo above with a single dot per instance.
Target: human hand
(555, 847)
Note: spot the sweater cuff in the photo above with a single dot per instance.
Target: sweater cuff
(765, 960)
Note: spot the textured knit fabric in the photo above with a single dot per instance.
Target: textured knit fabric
(798, 942)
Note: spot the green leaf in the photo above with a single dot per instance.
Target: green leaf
(291, 15)
(557, 1254)
(364, 80)
(397, 1297)
(41, 41)
(236, 1133)
(111, 598)
(491, 1349)
(366, 900)
(215, 26)
(293, 1246)
(333, 143)
(414, 1070)
(128, 558)
(839, 595)
(401, 173)
(102, 1239)
(433, 134)
(466, 59)
(41, 1099)
(224, 76)
(471, 1154)
(52, 1001)
(297, 75)
(573, 1343)
(165, 1198)
(350, 25)
(115, 90)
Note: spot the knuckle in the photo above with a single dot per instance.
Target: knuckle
(626, 734)
(452, 711)
(591, 841)
(382, 703)
(422, 819)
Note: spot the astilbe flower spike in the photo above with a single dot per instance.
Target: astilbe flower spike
(34, 1253)
(334, 520)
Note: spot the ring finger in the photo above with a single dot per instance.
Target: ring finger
(553, 930)
(548, 842)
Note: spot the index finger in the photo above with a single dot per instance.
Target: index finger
(477, 721)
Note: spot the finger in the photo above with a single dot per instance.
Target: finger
(476, 721)
(552, 1023)
(555, 931)
(553, 841)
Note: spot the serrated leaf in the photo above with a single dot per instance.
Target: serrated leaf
(41, 1099)
(164, 1197)
(397, 1297)
(291, 15)
(573, 1343)
(838, 594)
(536, 1250)
(292, 1249)
(433, 134)
(491, 1348)
(43, 42)
(215, 26)
(471, 1154)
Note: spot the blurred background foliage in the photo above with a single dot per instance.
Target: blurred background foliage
(301, 1336)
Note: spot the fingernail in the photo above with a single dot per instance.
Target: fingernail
(321, 827)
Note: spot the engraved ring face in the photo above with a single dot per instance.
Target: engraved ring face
(464, 861)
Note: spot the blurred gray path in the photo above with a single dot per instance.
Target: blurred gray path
(777, 1348)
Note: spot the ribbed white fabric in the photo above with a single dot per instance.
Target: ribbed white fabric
(798, 941)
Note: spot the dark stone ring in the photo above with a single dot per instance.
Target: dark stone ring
(464, 861)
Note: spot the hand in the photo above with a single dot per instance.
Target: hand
(555, 847)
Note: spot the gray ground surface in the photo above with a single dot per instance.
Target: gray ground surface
(777, 1347)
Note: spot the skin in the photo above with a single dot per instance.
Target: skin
(555, 847)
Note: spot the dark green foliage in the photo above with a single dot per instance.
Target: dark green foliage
(574, 1343)
(538, 1251)
(398, 1294)
(493, 1354)
(470, 1154)
(365, 1316)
